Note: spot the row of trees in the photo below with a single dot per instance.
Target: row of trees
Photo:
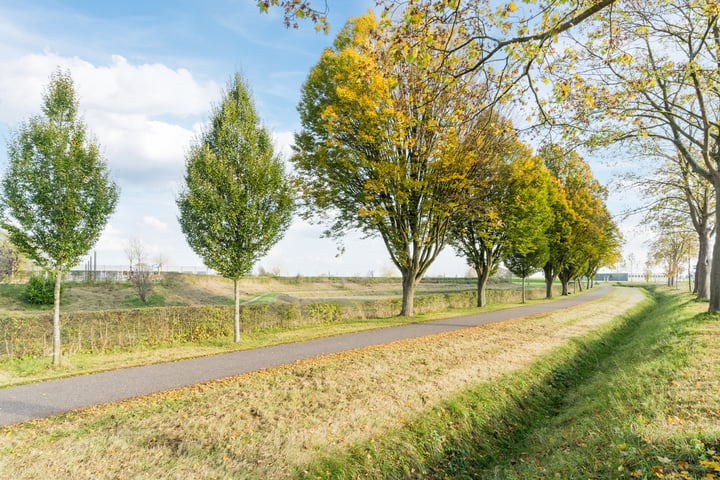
(397, 144)
(650, 79)
(641, 73)
(57, 194)
(400, 139)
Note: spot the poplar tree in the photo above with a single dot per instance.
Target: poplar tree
(237, 200)
(57, 193)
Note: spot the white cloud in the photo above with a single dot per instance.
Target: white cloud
(283, 143)
(139, 150)
(147, 89)
(120, 87)
(155, 223)
(144, 115)
(111, 241)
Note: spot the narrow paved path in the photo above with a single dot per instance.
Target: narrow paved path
(43, 399)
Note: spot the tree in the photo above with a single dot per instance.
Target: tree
(676, 191)
(503, 40)
(386, 145)
(9, 260)
(651, 72)
(582, 235)
(605, 248)
(525, 264)
(507, 206)
(237, 200)
(140, 272)
(670, 248)
(296, 10)
(57, 195)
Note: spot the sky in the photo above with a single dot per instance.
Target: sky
(147, 74)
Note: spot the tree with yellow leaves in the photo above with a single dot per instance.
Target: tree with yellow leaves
(582, 236)
(502, 41)
(650, 75)
(386, 145)
(508, 205)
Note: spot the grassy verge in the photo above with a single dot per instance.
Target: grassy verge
(640, 400)
(271, 424)
(32, 369)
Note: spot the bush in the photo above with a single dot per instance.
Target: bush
(41, 290)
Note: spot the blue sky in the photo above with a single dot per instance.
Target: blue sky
(147, 74)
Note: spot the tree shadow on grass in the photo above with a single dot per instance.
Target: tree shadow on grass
(487, 431)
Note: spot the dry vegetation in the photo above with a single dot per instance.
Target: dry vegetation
(263, 425)
(173, 289)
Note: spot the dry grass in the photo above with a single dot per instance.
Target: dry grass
(187, 289)
(262, 425)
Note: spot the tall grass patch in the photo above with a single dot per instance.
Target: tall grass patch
(30, 335)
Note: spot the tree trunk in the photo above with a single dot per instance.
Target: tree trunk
(564, 277)
(236, 322)
(549, 278)
(408, 296)
(523, 289)
(564, 287)
(702, 272)
(482, 275)
(714, 305)
(56, 321)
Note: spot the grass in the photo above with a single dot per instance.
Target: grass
(186, 289)
(153, 300)
(638, 400)
(277, 423)
(32, 369)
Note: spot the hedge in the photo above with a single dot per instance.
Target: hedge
(102, 331)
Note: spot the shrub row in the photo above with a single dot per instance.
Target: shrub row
(103, 331)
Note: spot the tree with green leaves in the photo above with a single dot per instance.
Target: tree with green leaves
(524, 264)
(57, 193)
(237, 201)
(386, 144)
(582, 235)
(508, 204)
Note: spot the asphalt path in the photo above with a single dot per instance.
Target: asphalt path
(44, 399)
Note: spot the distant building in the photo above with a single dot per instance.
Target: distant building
(612, 277)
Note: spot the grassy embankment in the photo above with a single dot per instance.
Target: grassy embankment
(188, 290)
(579, 393)
(640, 400)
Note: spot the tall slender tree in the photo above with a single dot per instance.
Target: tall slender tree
(237, 200)
(57, 194)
